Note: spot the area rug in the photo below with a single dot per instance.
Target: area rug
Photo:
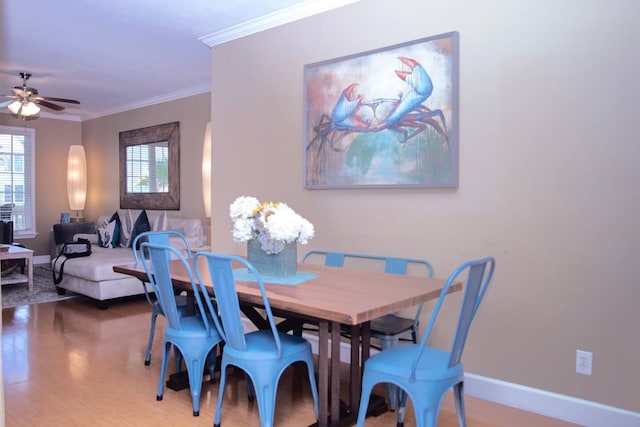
(15, 294)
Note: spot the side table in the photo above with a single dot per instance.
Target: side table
(16, 252)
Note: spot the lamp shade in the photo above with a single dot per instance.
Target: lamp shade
(25, 109)
(76, 177)
(29, 109)
(206, 171)
(15, 107)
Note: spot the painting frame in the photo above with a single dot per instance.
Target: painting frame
(384, 118)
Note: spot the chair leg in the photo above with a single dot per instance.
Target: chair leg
(194, 371)
(387, 342)
(458, 394)
(163, 369)
(223, 381)
(265, 390)
(364, 403)
(402, 406)
(147, 359)
(312, 383)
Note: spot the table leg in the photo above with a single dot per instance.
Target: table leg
(354, 368)
(360, 351)
(323, 373)
(335, 372)
(30, 271)
(365, 332)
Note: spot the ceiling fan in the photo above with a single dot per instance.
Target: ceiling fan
(25, 100)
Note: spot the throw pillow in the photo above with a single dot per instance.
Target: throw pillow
(140, 226)
(161, 223)
(125, 231)
(108, 234)
(115, 217)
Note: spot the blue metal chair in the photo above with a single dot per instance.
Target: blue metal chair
(426, 373)
(389, 329)
(195, 337)
(264, 354)
(161, 237)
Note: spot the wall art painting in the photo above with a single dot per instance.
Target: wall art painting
(384, 118)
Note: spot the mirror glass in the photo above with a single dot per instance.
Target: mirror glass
(150, 167)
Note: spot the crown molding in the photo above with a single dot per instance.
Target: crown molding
(272, 20)
(60, 116)
(172, 96)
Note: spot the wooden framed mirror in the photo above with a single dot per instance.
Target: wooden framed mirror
(150, 167)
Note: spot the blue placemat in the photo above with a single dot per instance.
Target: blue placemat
(301, 276)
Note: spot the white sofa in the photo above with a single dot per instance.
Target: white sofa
(93, 276)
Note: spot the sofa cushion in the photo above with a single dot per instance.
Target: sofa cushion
(99, 265)
(191, 228)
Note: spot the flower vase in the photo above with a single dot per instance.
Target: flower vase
(283, 264)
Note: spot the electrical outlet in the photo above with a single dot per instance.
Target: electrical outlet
(583, 362)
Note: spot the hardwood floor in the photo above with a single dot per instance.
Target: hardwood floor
(69, 364)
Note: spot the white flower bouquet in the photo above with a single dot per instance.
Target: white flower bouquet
(272, 224)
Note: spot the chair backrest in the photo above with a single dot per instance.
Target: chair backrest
(6, 211)
(220, 269)
(475, 287)
(159, 274)
(393, 265)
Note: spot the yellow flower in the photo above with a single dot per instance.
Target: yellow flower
(264, 207)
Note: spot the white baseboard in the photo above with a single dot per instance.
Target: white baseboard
(562, 407)
(559, 406)
(41, 259)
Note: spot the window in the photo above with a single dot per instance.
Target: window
(17, 177)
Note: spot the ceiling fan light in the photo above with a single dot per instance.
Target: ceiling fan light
(30, 109)
(14, 107)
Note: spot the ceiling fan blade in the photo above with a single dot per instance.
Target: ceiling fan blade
(49, 98)
(10, 96)
(5, 103)
(49, 105)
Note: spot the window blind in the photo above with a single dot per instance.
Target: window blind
(17, 177)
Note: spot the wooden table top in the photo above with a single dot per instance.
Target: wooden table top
(344, 295)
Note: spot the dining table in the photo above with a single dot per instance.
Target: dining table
(329, 297)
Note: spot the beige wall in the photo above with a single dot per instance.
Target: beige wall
(53, 138)
(100, 137)
(548, 172)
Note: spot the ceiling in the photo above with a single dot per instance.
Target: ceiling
(114, 56)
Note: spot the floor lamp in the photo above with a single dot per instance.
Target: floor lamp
(206, 181)
(77, 181)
